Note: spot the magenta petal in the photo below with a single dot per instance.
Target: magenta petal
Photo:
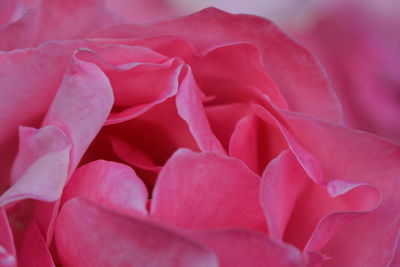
(205, 190)
(240, 248)
(42, 165)
(7, 248)
(81, 106)
(190, 108)
(33, 250)
(88, 235)
(110, 184)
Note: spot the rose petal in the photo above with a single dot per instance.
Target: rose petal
(7, 248)
(360, 158)
(22, 72)
(169, 46)
(190, 108)
(121, 241)
(42, 163)
(245, 248)
(299, 77)
(110, 184)
(81, 106)
(149, 140)
(281, 183)
(255, 143)
(33, 251)
(205, 190)
(226, 72)
(223, 120)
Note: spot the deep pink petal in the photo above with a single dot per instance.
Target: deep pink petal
(190, 108)
(149, 140)
(223, 120)
(227, 71)
(299, 77)
(88, 235)
(110, 184)
(81, 106)
(256, 143)
(33, 250)
(357, 157)
(7, 248)
(245, 248)
(42, 165)
(282, 182)
(205, 190)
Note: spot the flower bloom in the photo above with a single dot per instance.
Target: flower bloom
(206, 140)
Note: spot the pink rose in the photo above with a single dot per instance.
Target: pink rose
(207, 140)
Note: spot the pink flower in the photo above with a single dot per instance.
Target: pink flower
(206, 140)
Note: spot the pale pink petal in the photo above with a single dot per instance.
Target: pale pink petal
(110, 184)
(190, 108)
(244, 248)
(88, 235)
(227, 71)
(42, 163)
(33, 250)
(7, 248)
(205, 190)
(22, 72)
(297, 74)
(81, 106)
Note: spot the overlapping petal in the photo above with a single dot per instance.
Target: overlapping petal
(207, 191)
(110, 184)
(88, 235)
